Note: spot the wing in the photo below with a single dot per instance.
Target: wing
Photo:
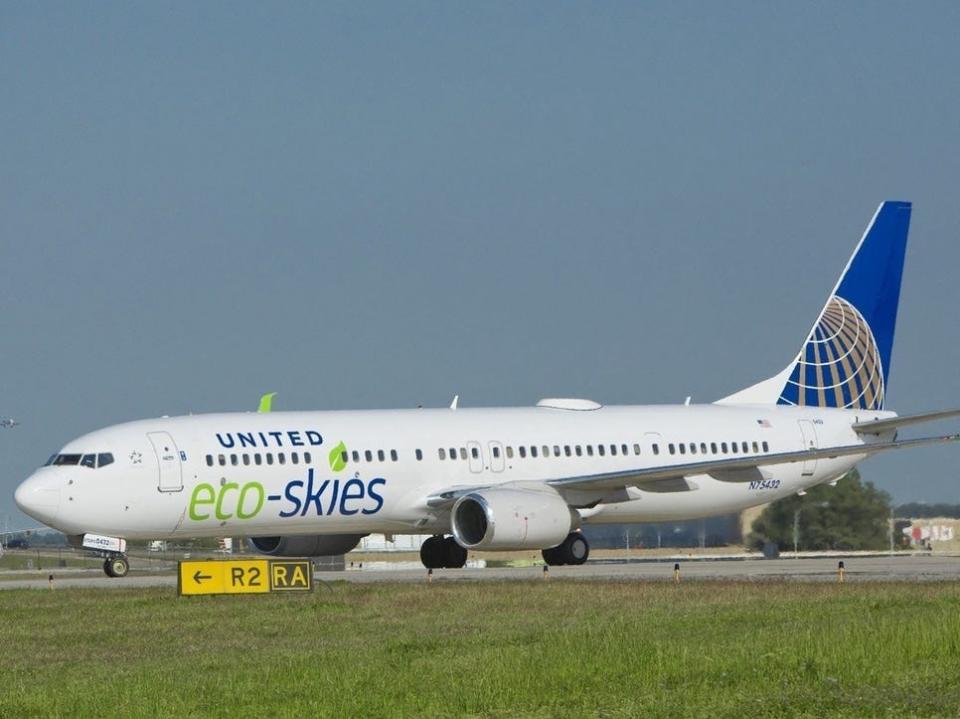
(672, 478)
(885, 425)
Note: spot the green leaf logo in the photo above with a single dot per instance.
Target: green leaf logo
(337, 461)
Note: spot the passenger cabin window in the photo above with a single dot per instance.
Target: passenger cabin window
(344, 457)
(306, 457)
(356, 456)
(713, 447)
(756, 448)
(368, 455)
(419, 455)
(693, 448)
(523, 451)
(509, 452)
(589, 450)
(246, 459)
(613, 450)
(533, 451)
(546, 451)
(672, 448)
(496, 452)
(221, 460)
(294, 458)
(475, 453)
(579, 450)
(441, 453)
(656, 448)
(745, 447)
(683, 449)
(453, 453)
(556, 450)
(209, 460)
(257, 459)
(600, 450)
(269, 458)
(280, 458)
(463, 453)
(380, 455)
(703, 448)
(766, 447)
(566, 450)
(393, 455)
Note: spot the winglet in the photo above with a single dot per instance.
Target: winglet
(456, 401)
(266, 402)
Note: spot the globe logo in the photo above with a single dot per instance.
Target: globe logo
(840, 364)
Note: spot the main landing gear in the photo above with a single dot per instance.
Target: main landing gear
(572, 550)
(116, 566)
(440, 552)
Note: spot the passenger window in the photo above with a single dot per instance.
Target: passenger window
(713, 447)
(257, 459)
(556, 450)
(281, 459)
(566, 450)
(475, 453)
(723, 447)
(209, 460)
(755, 447)
(380, 455)
(306, 458)
(745, 447)
(453, 453)
(523, 451)
(613, 450)
(343, 456)
(589, 450)
(683, 449)
(579, 450)
(89, 460)
(703, 448)
(533, 451)
(294, 458)
(693, 448)
(368, 455)
(672, 448)
(733, 448)
(442, 453)
(222, 460)
(269, 458)
(496, 453)
(105, 458)
(246, 459)
(546, 451)
(766, 447)
(636, 449)
(393, 455)
(419, 455)
(509, 452)
(356, 456)
(601, 450)
(656, 448)
(463, 453)
(234, 460)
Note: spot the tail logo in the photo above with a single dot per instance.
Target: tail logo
(840, 365)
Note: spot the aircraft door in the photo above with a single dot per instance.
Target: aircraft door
(496, 456)
(475, 456)
(170, 478)
(809, 434)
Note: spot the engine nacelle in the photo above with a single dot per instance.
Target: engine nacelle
(318, 545)
(533, 517)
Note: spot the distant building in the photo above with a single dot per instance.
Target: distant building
(936, 533)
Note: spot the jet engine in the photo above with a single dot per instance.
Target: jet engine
(534, 517)
(317, 545)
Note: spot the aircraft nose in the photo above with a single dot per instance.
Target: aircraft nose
(38, 498)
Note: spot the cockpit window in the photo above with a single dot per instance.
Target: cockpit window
(84, 460)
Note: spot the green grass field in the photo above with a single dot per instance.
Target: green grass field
(541, 649)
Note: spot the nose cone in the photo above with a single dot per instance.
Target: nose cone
(39, 498)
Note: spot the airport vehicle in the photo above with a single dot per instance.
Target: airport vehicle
(313, 483)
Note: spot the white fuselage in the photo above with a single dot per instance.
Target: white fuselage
(250, 474)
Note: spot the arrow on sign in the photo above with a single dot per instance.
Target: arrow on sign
(197, 577)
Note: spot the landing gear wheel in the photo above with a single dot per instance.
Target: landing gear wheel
(432, 552)
(552, 557)
(575, 548)
(454, 554)
(116, 566)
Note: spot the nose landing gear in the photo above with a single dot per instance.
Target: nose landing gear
(116, 566)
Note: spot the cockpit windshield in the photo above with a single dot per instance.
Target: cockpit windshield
(93, 461)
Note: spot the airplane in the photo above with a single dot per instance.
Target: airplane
(8, 422)
(511, 478)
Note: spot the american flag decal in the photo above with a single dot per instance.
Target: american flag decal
(764, 423)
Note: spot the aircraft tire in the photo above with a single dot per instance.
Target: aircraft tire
(553, 556)
(116, 566)
(575, 548)
(432, 553)
(454, 554)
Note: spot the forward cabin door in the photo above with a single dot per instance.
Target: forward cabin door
(168, 460)
(809, 434)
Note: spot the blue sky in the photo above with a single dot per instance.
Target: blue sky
(384, 204)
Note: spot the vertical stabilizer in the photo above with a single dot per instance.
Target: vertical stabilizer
(845, 361)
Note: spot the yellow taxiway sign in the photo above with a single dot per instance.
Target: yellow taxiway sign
(244, 576)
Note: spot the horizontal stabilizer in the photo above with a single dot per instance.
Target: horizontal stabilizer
(885, 425)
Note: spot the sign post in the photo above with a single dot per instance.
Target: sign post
(243, 576)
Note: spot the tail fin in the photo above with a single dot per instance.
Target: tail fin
(845, 361)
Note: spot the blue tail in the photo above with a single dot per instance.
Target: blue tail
(845, 361)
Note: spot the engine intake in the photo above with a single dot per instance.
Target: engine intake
(512, 518)
(318, 545)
